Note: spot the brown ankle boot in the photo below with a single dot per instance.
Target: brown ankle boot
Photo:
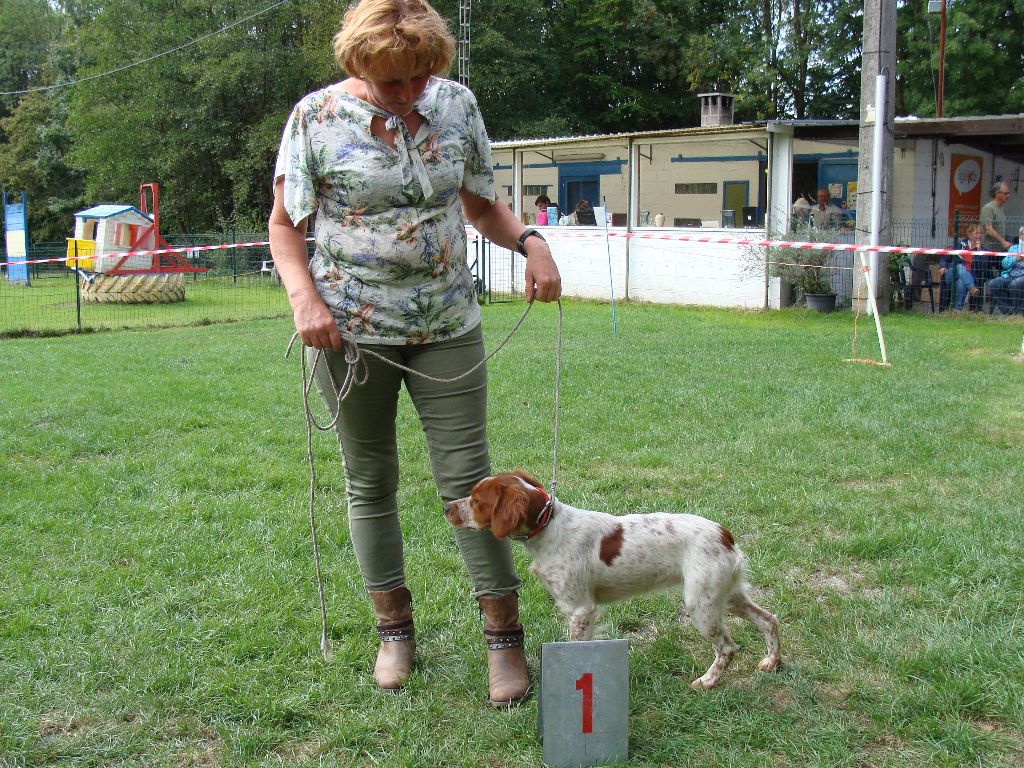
(506, 663)
(393, 610)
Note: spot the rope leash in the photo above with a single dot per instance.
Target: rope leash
(356, 373)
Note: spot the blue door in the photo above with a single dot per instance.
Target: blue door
(576, 188)
(840, 177)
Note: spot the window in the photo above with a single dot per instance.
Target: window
(529, 190)
(697, 188)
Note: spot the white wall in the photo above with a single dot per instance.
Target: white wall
(661, 269)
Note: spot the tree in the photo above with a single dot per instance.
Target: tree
(204, 122)
(34, 139)
(984, 66)
(793, 58)
(34, 160)
(27, 27)
(627, 65)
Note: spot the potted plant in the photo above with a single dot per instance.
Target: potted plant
(811, 279)
(805, 270)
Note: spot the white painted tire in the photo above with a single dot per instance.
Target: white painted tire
(135, 289)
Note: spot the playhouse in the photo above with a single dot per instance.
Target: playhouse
(113, 249)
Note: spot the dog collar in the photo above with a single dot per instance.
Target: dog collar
(545, 515)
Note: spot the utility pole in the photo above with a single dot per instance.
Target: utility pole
(878, 58)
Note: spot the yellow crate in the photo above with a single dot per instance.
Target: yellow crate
(80, 248)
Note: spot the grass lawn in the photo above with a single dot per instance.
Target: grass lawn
(158, 604)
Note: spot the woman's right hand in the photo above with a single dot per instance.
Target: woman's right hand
(314, 323)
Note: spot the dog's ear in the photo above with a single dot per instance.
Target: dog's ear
(510, 512)
(535, 483)
(484, 501)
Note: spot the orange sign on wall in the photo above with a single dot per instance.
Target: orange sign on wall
(964, 190)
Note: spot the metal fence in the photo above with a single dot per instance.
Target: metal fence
(914, 279)
(240, 284)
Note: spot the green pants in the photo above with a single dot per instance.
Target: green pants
(454, 419)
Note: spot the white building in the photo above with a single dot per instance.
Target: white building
(723, 178)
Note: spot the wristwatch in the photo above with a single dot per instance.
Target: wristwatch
(521, 242)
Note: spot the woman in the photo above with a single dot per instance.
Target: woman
(956, 270)
(584, 214)
(391, 161)
(542, 202)
(1007, 290)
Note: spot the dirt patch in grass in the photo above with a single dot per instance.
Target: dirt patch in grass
(850, 582)
(1012, 737)
(294, 752)
(204, 751)
(63, 726)
(638, 630)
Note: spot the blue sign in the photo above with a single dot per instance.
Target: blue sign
(16, 239)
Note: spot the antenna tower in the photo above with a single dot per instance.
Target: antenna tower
(465, 12)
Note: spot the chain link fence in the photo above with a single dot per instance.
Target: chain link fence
(238, 284)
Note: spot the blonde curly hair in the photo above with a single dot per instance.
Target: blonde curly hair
(393, 35)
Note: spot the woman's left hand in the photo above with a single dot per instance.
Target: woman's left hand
(496, 222)
(543, 282)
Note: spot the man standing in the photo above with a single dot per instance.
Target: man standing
(993, 225)
(825, 215)
(993, 219)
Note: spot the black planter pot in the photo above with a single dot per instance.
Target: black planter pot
(821, 302)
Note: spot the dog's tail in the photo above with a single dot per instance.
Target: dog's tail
(739, 572)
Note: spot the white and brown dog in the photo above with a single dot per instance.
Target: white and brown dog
(588, 558)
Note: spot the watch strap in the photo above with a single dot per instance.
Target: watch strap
(521, 242)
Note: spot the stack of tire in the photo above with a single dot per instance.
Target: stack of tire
(163, 288)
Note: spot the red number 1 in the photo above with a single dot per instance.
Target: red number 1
(586, 684)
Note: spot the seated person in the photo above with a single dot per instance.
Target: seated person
(958, 269)
(584, 214)
(542, 202)
(1007, 290)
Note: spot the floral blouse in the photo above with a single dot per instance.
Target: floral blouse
(390, 256)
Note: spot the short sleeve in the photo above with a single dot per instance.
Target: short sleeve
(478, 175)
(293, 163)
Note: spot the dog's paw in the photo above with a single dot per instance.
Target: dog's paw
(701, 684)
(770, 663)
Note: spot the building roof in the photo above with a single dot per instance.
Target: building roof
(644, 136)
(106, 211)
(1002, 135)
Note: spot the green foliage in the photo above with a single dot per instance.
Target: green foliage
(34, 159)
(208, 133)
(27, 28)
(205, 122)
(984, 66)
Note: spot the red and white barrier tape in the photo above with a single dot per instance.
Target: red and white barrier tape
(572, 235)
(151, 252)
(797, 244)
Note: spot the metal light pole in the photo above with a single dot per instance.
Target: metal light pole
(939, 6)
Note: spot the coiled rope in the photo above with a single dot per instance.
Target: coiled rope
(356, 374)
